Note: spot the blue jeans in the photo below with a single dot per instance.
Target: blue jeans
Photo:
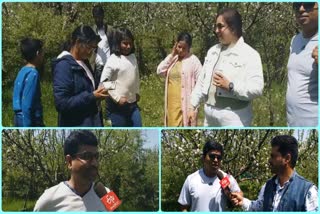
(18, 119)
(21, 121)
(127, 115)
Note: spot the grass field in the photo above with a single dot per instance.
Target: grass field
(152, 105)
(17, 205)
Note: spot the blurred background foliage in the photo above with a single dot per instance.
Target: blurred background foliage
(268, 27)
(246, 154)
(33, 160)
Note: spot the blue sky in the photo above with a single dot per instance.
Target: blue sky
(151, 137)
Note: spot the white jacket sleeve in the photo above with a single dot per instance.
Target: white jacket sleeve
(197, 95)
(253, 85)
(107, 75)
(198, 68)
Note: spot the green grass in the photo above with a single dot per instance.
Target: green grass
(17, 205)
(152, 105)
(270, 112)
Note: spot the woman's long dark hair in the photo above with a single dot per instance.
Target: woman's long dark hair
(83, 34)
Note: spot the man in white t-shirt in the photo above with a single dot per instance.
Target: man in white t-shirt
(302, 89)
(78, 193)
(202, 191)
(105, 32)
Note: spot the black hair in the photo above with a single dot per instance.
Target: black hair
(77, 139)
(30, 48)
(118, 36)
(97, 10)
(233, 19)
(287, 145)
(65, 46)
(184, 36)
(212, 145)
(84, 34)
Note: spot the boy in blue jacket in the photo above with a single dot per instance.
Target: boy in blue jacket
(27, 105)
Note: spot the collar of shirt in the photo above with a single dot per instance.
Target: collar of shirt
(280, 191)
(237, 47)
(231, 49)
(279, 187)
(73, 190)
(312, 38)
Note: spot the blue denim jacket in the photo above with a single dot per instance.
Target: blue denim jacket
(294, 196)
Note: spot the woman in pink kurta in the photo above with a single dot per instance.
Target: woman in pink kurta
(181, 69)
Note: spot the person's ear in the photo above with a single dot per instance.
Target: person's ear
(69, 161)
(202, 158)
(288, 158)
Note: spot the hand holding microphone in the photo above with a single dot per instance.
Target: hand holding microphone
(237, 198)
(227, 189)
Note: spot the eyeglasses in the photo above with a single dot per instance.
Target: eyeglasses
(90, 47)
(218, 26)
(214, 156)
(308, 6)
(87, 156)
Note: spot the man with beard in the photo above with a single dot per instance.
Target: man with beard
(202, 191)
(302, 89)
(77, 193)
(287, 190)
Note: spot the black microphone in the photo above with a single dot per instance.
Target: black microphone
(100, 189)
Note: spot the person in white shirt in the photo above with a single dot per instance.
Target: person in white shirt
(231, 76)
(302, 89)
(122, 70)
(76, 194)
(201, 190)
(104, 31)
(287, 190)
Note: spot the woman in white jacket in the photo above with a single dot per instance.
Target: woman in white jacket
(231, 76)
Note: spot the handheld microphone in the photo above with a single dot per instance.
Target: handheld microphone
(224, 183)
(108, 198)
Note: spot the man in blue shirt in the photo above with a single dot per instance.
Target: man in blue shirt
(27, 105)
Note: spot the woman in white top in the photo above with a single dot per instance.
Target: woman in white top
(121, 70)
(231, 76)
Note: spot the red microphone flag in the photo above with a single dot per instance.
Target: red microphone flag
(111, 201)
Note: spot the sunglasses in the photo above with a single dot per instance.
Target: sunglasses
(308, 6)
(218, 26)
(87, 156)
(214, 156)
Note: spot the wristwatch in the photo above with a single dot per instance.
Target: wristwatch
(231, 86)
